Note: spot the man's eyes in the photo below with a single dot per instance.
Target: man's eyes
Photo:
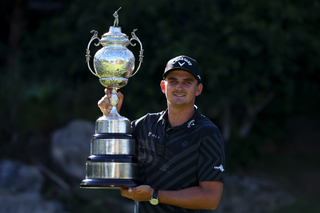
(174, 82)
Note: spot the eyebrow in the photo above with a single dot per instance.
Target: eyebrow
(185, 79)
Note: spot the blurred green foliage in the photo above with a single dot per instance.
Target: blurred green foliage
(246, 51)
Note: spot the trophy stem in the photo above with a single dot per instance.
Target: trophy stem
(113, 112)
(114, 100)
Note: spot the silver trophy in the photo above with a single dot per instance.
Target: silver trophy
(112, 162)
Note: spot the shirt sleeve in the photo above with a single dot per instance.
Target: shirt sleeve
(136, 125)
(211, 159)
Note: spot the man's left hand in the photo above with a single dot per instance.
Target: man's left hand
(139, 193)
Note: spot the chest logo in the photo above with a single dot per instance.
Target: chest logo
(150, 134)
(219, 167)
(185, 144)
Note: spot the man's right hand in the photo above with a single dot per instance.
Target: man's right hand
(104, 102)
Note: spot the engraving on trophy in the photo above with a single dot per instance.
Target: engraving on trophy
(112, 162)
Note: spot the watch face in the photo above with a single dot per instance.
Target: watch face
(154, 201)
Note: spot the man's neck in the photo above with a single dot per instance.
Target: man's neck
(178, 116)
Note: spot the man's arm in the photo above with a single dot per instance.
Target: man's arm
(205, 196)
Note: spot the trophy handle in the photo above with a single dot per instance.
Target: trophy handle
(88, 56)
(134, 37)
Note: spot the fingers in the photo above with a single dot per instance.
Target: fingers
(104, 103)
(108, 91)
(120, 97)
(125, 192)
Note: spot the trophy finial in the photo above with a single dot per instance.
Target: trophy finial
(116, 18)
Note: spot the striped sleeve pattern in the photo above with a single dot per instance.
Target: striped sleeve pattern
(211, 158)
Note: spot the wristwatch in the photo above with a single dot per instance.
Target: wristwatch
(154, 199)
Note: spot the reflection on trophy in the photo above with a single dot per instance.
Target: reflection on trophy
(112, 162)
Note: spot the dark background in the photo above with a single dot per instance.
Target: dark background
(259, 61)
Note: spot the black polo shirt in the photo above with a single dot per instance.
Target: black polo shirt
(174, 158)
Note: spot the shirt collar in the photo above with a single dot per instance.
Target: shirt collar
(188, 125)
(164, 118)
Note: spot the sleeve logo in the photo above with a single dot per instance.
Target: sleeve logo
(219, 167)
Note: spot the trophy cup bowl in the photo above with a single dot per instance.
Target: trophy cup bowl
(112, 162)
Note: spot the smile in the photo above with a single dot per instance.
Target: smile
(179, 95)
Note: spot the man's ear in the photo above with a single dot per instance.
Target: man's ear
(199, 89)
(163, 86)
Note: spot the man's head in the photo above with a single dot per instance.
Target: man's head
(183, 63)
(182, 82)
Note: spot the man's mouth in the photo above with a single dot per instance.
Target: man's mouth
(179, 94)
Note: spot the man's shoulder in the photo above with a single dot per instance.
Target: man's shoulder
(145, 121)
(206, 125)
(149, 117)
(152, 115)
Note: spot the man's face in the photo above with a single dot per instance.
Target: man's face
(180, 88)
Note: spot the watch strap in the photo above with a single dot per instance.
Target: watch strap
(155, 193)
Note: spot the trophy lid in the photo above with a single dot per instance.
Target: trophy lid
(115, 36)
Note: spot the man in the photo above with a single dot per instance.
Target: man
(181, 152)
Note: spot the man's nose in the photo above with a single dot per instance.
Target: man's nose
(179, 86)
